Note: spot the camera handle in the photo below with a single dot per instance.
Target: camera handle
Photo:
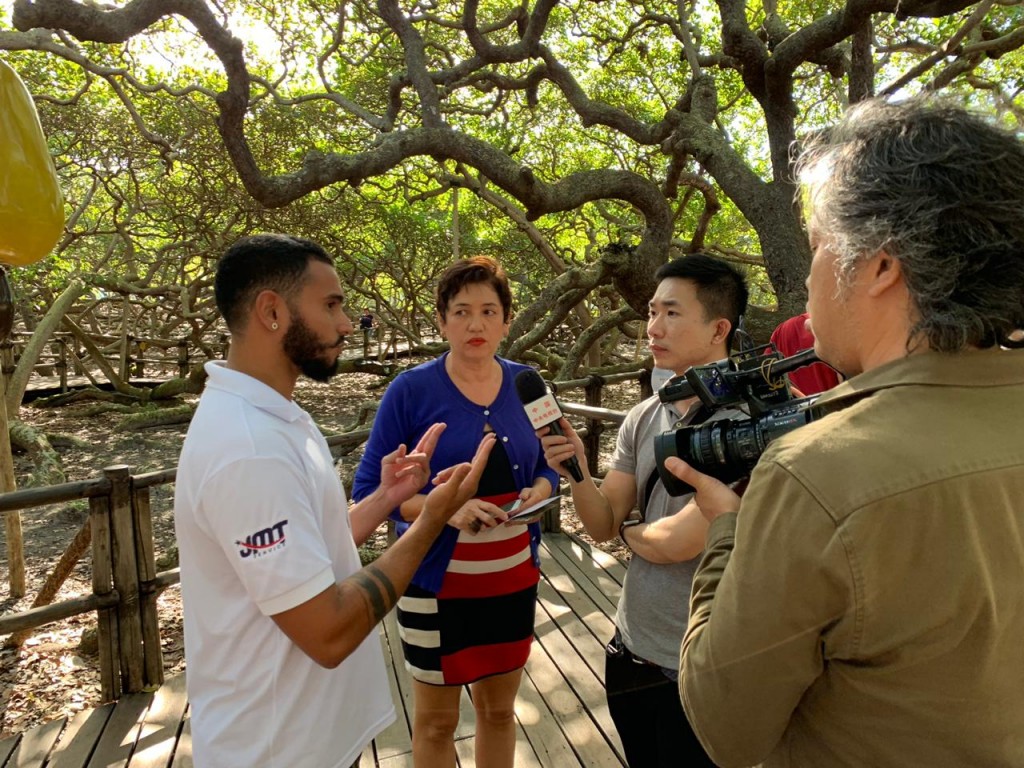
(799, 360)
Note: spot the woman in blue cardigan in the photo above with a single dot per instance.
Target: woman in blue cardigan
(467, 618)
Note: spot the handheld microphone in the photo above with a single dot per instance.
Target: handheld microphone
(543, 411)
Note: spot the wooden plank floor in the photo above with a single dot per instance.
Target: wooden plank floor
(562, 717)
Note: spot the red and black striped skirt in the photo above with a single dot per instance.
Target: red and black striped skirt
(481, 622)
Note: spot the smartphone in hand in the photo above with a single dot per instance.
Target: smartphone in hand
(519, 515)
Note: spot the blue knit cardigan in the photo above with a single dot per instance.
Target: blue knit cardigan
(426, 394)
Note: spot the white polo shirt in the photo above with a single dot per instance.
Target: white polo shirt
(262, 526)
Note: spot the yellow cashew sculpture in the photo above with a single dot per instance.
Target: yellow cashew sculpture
(31, 204)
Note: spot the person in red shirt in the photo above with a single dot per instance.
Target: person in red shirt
(792, 336)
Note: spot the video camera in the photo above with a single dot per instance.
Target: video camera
(728, 448)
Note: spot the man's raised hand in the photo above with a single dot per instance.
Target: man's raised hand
(558, 449)
(456, 485)
(403, 474)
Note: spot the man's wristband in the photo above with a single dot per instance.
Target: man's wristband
(629, 522)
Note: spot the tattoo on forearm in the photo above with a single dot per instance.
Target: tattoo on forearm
(386, 583)
(377, 591)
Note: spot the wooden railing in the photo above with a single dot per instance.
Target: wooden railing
(136, 357)
(592, 409)
(125, 582)
(124, 586)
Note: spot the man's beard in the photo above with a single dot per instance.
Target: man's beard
(307, 352)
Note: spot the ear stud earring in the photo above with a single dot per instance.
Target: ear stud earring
(273, 326)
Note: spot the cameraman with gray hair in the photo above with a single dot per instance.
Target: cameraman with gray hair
(864, 604)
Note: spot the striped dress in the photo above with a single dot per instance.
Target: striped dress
(481, 621)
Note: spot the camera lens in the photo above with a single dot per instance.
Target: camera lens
(726, 449)
(710, 448)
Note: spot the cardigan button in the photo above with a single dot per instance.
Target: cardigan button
(515, 466)
(487, 412)
(504, 439)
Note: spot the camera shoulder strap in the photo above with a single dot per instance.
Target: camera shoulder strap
(701, 415)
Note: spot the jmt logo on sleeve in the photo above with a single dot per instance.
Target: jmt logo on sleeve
(263, 542)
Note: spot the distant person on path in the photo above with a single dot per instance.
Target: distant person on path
(367, 323)
(283, 670)
(468, 616)
(792, 336)
(861, 605)
(693, 317)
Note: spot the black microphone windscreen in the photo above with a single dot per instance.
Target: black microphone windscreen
(530, 386)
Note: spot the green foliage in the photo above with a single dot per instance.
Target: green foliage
(153, 198)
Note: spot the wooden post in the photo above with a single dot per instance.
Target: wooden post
(183, 358)
(77, 353)
(140, 360)
(126, 578)
(153, 660)
(592, 441)
(646, 390)
(7, 359)
(126, 340)
(103, 583)
(12, 518)
(551, 522)
(62, 364)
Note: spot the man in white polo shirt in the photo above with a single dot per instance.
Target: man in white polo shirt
(282, 670)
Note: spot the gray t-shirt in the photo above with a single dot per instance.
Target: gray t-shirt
(655, 603)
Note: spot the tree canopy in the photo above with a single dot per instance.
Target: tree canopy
(581, 143)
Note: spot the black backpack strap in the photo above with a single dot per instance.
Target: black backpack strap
(652, 480)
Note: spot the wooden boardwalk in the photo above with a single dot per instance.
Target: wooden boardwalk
(562, 716)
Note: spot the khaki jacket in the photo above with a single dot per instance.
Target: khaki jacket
(865, 607)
